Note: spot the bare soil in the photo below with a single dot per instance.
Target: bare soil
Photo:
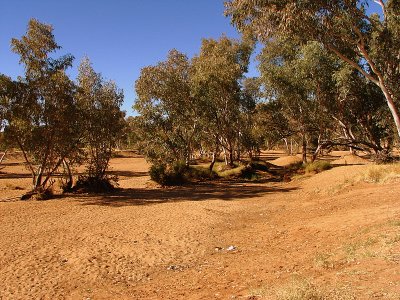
(220, 240)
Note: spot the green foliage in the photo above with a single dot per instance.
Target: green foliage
(41, 115)
(99, 102)
(51, 119)
(187, 105)
(216, 75)
(201, 174)
(178, 174)
(367, 42)
(169, 175)
(169, 116)
(317, 166)
(88, 184)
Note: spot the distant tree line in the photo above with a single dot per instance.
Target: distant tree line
(58, 123)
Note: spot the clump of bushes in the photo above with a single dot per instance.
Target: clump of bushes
(88, 184)
(252, 171)
(295, 167)
(317, 166)
(178, 173)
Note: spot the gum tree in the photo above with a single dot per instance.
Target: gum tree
(368, 42)
(216, 79)
(99, 103)
(42, 115)
(169, 118)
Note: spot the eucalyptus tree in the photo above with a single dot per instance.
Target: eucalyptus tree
(216, 74)
(6, 86)
(99, 102)
(360, 113)
(296, 75)
(271, 125)
(42, 115)
(368, 42)
(248, 138)
(169, 117)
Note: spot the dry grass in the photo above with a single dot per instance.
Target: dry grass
(301, 289)
(382, 173)
(376, 174)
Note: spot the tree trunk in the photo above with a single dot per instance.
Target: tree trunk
(250, 154)
(70, 180)
(392, 107)
(291, 146)
(38, 180)
(214, 158)
(304, 148)
(4, 155)
(316, 153)
(225, 156)
(287, 146)
(231, 158)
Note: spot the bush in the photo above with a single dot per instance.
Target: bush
(200, 173)
(88, 184)
(178, 173)
(166, 175)
(317, 166)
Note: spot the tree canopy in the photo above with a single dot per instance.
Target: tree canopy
(370, 43)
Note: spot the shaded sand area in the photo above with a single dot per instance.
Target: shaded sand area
(143, 242)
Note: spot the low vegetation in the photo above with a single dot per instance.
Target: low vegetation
(179, 173)
(381, 173)
(317, 166)
(302, 289)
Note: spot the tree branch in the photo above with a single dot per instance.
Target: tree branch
(380, 2)
(353, 64)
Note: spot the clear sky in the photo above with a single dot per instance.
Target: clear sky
(120, 37)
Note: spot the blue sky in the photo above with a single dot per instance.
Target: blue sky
(120, 37)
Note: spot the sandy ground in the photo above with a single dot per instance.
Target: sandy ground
(145, 242)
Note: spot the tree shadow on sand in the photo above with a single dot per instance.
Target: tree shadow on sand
(129, 174)
(198, 192)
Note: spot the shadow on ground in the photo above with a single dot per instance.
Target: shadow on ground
(4, 175)
(127, 173)
(199, 192)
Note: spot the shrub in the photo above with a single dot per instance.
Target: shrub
(294, 167)
(259, 165)
(89, 184)
(158, 173)
(169, 175)
(382, 173)
(200, 173)
(317, 166)
(178, 173)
